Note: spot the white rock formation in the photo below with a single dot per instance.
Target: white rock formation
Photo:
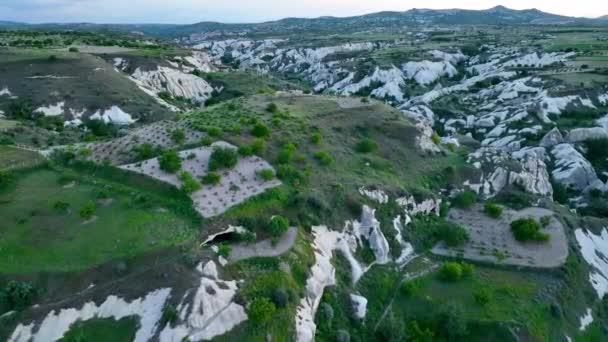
(369, 229)
(424, 139)
(571, 168)
(407, 250)
(594, 249)
(581, 134)
(175, 82)
(586, 320)
(56, 324)
(359, 304)
(552, 138)
(376, 195)
(113, 115)
(211, 313)
(427, 72)
(5, 92)
(52, 110)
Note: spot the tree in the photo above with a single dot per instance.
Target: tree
(261, 311)
(189, 184)
(178, 136)
(450, 271)
(366, 146)
(452, 234)
(464, 199)
(170, 161)
(87, 211)
(223, 158)
(272, 108)
(277, 226)
(528, 230)
(211, 178)
(492, 210)
(260, 130)
(17, 295)
(145, 151)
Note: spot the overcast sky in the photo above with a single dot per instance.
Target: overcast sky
(191, 11)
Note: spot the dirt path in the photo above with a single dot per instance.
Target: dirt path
(264, 248)
(406, 277)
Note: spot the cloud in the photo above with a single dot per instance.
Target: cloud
(189, 11)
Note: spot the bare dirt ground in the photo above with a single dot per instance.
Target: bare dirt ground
(491, 240)
(264, 248)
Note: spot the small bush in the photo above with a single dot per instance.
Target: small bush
(73, 49)
(145, 151)
(324, 158)
(450, 271)
(245, 151)
(409, 288)
(453, 235)
(170, 314)
(277, 226)
(258, 146)
(272, 108)
(266, 174)
(464, 199)
(206, 141)
(436, 139)
(170, 161)
(528, 230)
(87, 211)
(214, 131)
(261, 311)
(178, 136)
(492, 210)
(280, 297)
(189, 184)
(316, 138)
(467, 270)
(223, 158)
(260, 130)
(61, 206)
(211, 178)
(17, 295)
(482, 296)
(545, 221)
(366, 146)
(224, 250)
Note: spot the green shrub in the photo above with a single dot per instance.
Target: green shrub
(73, 49)
(492, 210)
(482, 296)
(315, 138)
(261, 311)
(464, 199)
(245, 151)
(528, 230)
(214, 131)
(5, 178)
(169, 161)
(452, 234)
(206, 141)
(61, 206)
(280, 297)
(272, 108)
(145, 151)
(266, 174)
(277, 226)
(170, 314)
(17, 295)
(467, 270)
(409, 288)
(258, 146)
(436, 138)
(189, 184)
(178, 136)
(545, 221)
(223, 158)
(291, 175)
(211, 178)
(260, 130)
(450, 271)
(366, 146)
(88, 210)
(324, 158)
(224, 250)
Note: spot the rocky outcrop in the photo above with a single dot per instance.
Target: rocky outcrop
(369, 228)
(359, 304)
(581, 134)
(571, 168)
(177, 83)
(534, 176)
(424, 140)
(552, 138)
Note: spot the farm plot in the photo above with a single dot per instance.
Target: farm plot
(235, 185)
(491, 240)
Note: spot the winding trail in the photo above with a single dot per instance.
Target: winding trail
(264, 248)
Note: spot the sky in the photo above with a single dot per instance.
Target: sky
(234, 11)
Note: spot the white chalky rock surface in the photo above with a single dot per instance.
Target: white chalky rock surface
(211, 313)
(51, 110)
(56, 324)
(113, 115)
(427, 72)
(586, 320)
(581, 134)
(359, 304)
(594, 249)
(407, 250)
(571, 168)
(213, 200)
(5, 92)
(376, 195)
(175, 82)
(369, 228)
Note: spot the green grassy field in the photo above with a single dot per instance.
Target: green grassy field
(39, 234)
(14, 158)
(101, 330)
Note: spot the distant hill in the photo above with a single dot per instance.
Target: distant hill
(499, 15)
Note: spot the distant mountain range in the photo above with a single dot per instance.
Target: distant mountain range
(499, 15)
